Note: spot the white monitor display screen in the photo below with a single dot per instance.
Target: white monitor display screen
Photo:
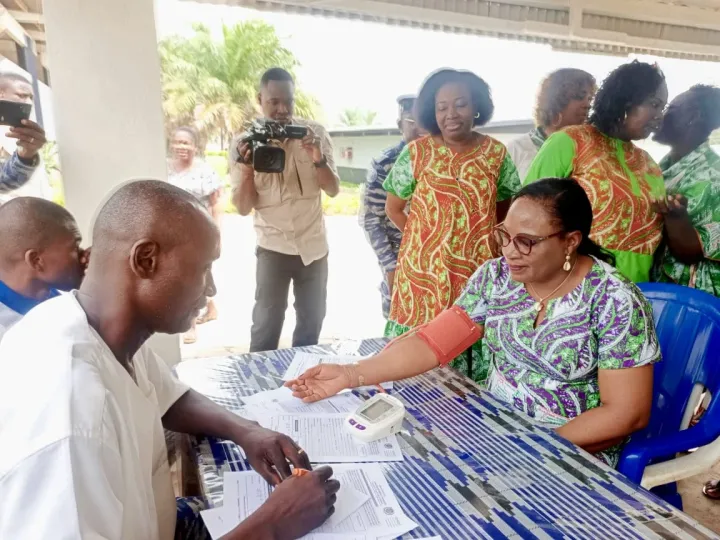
(376, 410)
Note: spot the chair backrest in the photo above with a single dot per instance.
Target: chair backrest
(688, 327)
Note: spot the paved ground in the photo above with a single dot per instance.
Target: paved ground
(353, 312)
(353, 298)
(696, 504)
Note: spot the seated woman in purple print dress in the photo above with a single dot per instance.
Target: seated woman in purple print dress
(571, 340)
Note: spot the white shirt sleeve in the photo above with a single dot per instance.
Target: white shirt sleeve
(522, 151)
(69, 490)
(168, 389)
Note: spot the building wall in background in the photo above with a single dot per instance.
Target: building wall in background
(353, 153)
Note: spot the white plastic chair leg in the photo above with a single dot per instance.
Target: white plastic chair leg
(701, 460)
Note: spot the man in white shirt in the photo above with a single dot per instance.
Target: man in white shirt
(83, 400)
(39, 255)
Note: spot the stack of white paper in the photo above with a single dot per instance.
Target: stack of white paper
(325, 439)
(282, 400)
(366, 508)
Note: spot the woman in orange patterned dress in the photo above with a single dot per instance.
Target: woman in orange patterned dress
(459, 181)
(621, 180)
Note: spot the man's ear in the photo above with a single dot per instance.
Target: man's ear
(34, 260)
(259, 98)
(144, 258)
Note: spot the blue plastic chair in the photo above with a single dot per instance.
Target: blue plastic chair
(688, 327)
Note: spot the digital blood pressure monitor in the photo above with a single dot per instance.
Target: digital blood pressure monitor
(378, 417)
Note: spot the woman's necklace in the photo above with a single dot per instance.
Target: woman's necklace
(540, 304)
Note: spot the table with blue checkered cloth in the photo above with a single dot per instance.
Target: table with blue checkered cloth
(473, 467)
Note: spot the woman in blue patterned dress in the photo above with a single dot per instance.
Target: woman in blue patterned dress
(571, 340)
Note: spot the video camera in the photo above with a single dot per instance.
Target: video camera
(265, 156)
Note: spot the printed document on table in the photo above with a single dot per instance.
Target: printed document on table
(282, 400)
(381, 516)
(217, 523)
(304, 361)
(246, 491)
(326, 440)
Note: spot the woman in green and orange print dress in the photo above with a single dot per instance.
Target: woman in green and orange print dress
(459, 183)
(621, 180)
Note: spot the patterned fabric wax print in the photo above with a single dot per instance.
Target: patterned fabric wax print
(448, 234)
(621, 181)
(473, 467)
(697, 177)
(550, 371)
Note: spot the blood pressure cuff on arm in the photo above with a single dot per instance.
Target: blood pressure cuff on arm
(449, 334)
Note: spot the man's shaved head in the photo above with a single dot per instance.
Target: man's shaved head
(40, 239)
(153, 246)
(142, 206)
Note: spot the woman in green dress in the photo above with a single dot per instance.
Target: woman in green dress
(691, 255)
(621, 180)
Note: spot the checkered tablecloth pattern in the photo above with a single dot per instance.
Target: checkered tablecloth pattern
(473, 468)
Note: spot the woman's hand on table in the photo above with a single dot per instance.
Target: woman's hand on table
(270, 453)
(322, 382)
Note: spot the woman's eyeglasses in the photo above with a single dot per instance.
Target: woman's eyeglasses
(522, 242)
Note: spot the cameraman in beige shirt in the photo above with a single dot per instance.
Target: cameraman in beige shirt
(291, 239)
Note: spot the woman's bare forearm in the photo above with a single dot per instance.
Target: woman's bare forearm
(399, 219)
(395, 210)
(405, 358)
(600, 428)
(682, 239)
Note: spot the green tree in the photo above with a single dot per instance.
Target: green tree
(211, 84)
(50, 159)
(357, 117)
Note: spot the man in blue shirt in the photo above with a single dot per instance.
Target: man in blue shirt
(16, 169)
(383, 236)
(40, 254)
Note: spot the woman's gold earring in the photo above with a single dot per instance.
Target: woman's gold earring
(567, 266)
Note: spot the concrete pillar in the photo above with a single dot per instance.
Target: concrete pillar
(107, 100)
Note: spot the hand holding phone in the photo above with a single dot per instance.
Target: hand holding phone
(31, 138)
(12, 113)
